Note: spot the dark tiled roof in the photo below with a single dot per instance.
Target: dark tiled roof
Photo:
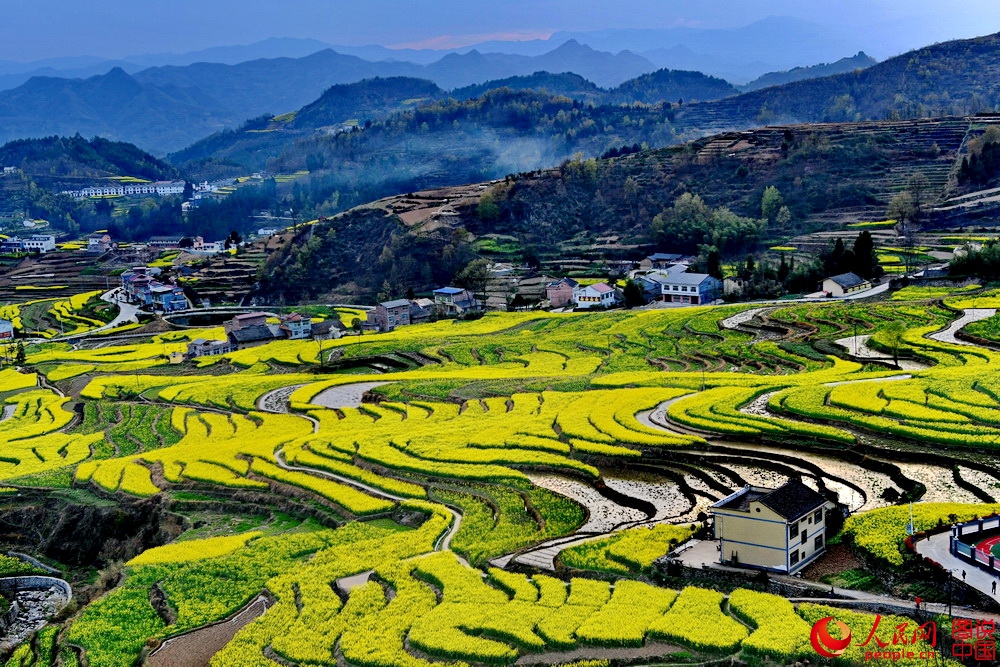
(254, 333)
(741, 502)
(664, 256)
(396, 303)
(848, 280)
(793, 500)
(326, 325)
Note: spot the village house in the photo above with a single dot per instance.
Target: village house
(390, 314)
(327, 329)
(295, 326)
(660, 260)
(42, 243)
(6, 331)
(199, 244)
(597, 295)
(11, 245)
(454, 301)
(244, 321)
(201, 347)
(560, 292)
(255, 335)
(165, 242)
(679, 286)
(781, 530)
(844, 284)
(168, 298)
(98, 243)
(421, 310)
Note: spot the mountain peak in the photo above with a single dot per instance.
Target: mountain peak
(572, 46)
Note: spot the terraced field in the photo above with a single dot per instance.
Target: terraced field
(482, 488)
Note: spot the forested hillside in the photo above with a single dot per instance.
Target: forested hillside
(708, 193)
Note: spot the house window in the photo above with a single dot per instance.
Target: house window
(794, 559)
(818, 542)
(804, 537)
(818, 515)
(793, 531)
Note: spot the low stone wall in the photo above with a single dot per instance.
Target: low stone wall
(10, 585)
(668, 569)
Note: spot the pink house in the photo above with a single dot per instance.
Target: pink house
(560, 292)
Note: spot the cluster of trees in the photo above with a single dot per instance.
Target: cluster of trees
(77, 157)
(982, 262)
(860, 259)
(690, 224)
(982, 166)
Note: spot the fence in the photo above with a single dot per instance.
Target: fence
(964, 537)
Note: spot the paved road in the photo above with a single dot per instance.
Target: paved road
(127, 312)
(936, 548)
(705, 553)
(970, 315)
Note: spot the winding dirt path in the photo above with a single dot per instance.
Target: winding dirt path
(196, 648)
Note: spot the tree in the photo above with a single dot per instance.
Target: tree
(188, 191)
(20, 358)
(713, 262)
(917, 185)
(488, 209)
(475, 277)
(771, 203)
(902, 208)
(865, 260)
(632, 293)
(893, 336)
(783, 218)
(186, 242)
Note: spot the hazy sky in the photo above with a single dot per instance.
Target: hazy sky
(36, 29)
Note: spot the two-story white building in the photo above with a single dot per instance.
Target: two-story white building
(781, 530)
(595, 296)
(39, 243)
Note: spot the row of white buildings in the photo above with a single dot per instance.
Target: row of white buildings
(156, 188)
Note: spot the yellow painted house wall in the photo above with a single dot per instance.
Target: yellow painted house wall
(760, 538)
(757, 537)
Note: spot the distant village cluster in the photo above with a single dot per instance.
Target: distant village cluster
(140, 286)
(253, 330)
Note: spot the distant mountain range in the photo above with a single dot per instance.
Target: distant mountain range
(590, 119)
(166, 108)
(735, 54)
(860, 61)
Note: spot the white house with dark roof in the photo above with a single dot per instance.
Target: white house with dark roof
(595, 296)
(676, 285)
(781, 530)
(844, 284)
